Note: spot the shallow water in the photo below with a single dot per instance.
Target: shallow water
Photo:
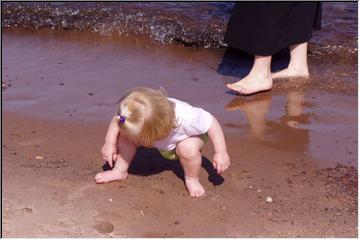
(67, 76)
(200, 24)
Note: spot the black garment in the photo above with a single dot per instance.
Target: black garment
(263, 28)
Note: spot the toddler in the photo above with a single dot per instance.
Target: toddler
(147, 117)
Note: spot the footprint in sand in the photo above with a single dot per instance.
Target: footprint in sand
(104, 227)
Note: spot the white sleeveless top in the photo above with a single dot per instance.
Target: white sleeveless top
(191, 121)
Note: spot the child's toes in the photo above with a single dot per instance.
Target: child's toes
(98, 176)
(195, 188)
(200, 193)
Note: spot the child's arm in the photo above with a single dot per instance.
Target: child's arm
(109, 150)
(221, 160)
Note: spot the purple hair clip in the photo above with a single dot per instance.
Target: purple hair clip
(124, 114)
(121, 118)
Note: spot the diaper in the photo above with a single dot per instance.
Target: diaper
(171, 154)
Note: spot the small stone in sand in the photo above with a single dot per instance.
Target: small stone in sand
(269, 199)
(39, 157)
(91, 94)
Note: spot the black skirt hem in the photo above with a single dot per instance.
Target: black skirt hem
(271, 52)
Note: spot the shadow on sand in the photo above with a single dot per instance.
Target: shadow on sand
(148, 161)
(237, 63)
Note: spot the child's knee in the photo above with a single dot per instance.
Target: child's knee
(188, 151)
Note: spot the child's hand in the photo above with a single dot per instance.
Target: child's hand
(221, 162)
(109, 153)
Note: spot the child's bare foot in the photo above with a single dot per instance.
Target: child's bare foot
(109, 176)
(291, 73)
(194, 187)
(251, 84)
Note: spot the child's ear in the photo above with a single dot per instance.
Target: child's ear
(162, 91)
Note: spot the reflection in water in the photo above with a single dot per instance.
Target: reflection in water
(287, 133)
(255, 110)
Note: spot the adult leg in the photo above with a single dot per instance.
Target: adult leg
(258, 80)
(126, 153)
(298, 67)
(190, 159)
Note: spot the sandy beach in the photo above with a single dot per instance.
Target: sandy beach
(294, 169)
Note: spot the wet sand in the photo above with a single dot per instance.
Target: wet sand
(296, 144)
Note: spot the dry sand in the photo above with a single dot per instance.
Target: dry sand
(296, 145)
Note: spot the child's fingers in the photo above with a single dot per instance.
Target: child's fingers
(223, 167)
(110, 162)
(220, 168)
(227, 165)
(214, 165)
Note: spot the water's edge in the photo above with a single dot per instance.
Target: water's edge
(191, 24)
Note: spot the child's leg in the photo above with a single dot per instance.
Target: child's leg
(190, 159)
(126, 153)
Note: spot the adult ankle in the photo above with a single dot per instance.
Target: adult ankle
(265, 75)
(298, 67)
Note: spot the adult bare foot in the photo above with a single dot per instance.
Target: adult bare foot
(251, 84)
(291, 73)
(194, 187)
(109, 176)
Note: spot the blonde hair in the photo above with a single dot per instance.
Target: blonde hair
(146, 115)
